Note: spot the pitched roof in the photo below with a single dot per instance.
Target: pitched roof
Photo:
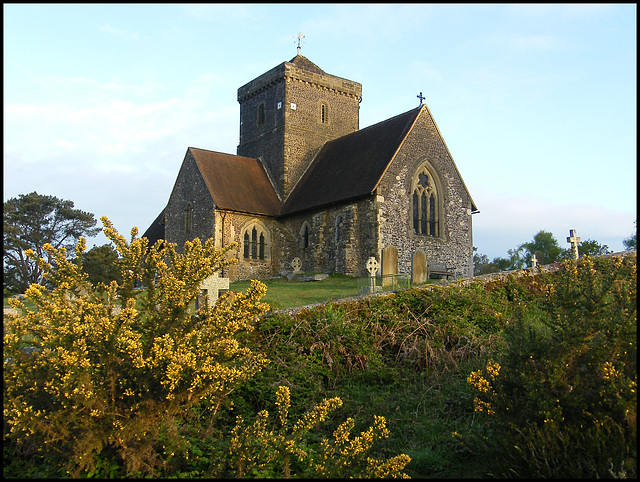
(156, 230)
(237, 183)
(351, 166)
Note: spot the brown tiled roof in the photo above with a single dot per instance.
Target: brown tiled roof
(237, 183)
(351, 166)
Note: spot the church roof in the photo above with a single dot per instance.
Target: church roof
(237, 183)
(351, 166)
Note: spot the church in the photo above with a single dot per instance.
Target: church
(307, 182)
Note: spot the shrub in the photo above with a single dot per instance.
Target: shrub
(99, 374)
(260, 451)
(561, 401)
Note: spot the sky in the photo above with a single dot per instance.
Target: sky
(536, 103)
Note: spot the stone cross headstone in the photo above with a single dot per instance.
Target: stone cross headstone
(534, 260)
(296, 264)
(372, 267)
(574, 240)
(389, 265)
(211, 286)
(419, 267)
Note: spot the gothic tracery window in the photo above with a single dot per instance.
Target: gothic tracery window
(425, 204)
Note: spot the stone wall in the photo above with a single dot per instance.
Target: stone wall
(293, 127)
(454, 245)
(189, 190)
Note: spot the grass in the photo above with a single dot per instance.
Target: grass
(282, 293)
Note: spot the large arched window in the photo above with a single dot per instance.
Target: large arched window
(255, 241)
(425, 203)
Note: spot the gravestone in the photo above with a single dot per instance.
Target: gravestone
(389, 265)
(574, 240)
(211, 286)
(296, 264)
(372, 266)
(419, 267)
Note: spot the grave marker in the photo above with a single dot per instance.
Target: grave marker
(389, 265)
(211, 286)
(296, 264)
(372, 267)
(419, 267)
(574, 240)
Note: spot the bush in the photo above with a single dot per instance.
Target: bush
(561, 400)
(100, 378)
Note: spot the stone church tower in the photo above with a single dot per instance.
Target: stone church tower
(289, 112)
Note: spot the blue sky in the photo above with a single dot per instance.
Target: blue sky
(536, 103)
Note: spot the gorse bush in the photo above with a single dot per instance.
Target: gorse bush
(126, 379)
(262, 451)
(112, 369)
(562, 397)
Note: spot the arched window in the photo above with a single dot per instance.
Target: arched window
(247, 245)
(261, 114)
(305, 236)
(188, 219)
(425, 203)
(255, 241)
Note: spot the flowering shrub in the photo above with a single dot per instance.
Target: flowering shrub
(98, 369)
(258, 451)
(563, 401)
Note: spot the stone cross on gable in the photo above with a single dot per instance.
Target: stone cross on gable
(574, 240)
(212, 285)
(419, 96)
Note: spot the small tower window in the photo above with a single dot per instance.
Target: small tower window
(261, 114)
(323, 114)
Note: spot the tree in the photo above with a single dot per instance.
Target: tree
(630, 242)
(31, 221)
(101, 264)
(593, 248)
(545, 243)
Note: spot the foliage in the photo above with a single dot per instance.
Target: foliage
(110, 370)
(281, 451)
(543, 242)
(561, 400)
(101, 264)
(590, 248)
(630, 242)
(31, 221)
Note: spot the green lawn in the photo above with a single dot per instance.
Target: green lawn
(282, 293)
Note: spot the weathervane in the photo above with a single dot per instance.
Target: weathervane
(300, 37)
(420, 97)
